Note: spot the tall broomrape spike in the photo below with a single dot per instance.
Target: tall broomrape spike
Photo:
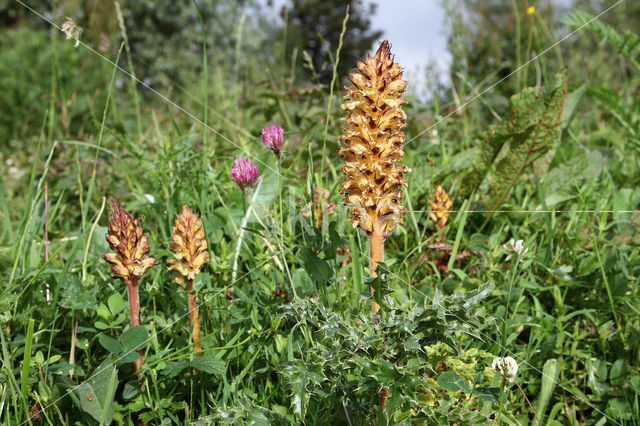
(440, 205)
(190, 249)
(130, 259)
(373, 147)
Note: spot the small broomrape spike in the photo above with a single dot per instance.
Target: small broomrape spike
(190, 249)
(130, 260)
(440, 205)
(373, 147)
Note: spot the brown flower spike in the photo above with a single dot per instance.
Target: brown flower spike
(440, 205)
(190, 249)
(372, 148)
(373, 143)
(130, 258)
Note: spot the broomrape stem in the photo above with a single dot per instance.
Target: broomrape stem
(134, 318)
(194, 317)
(376, 254)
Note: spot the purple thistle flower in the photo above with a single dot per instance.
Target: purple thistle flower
(244, 173)
(272, 138)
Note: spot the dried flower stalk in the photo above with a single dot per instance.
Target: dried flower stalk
(129, 260)
(190, 249)
(372, 148)
(440, 205)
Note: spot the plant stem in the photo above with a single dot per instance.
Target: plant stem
(280, 197)
(376, 254)
(194, 318)
(134, 317)
(72, 350)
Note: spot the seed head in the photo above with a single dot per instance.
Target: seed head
(244, 173)
(130, 260)
(440, 205)
(188, 245)
(373, 143)
(272, 138)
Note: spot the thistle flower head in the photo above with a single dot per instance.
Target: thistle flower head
(130, 259)
(272, 138)
(188, 245)
(244, 173)
(373, 143)
(440, 205)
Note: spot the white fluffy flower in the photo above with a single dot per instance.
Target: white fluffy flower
(71, 30)
(515, 247)
(507, 367)
(150, 198)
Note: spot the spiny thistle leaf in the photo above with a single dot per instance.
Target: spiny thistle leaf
(533, 129)
(373, 143)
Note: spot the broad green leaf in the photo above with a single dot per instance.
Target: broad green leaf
(134, 338)
(116, 304)
(74, 296)
(549, 378)
(208, 363)
(318, 269)
(95, 396)
(531, 131)
(110, 344)
(452, 382)
(487, 393)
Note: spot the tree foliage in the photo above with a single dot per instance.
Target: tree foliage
(315, 26)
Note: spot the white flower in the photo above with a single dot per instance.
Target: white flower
(71, 30)
(507, 367)
(150, 198)
(515, 247)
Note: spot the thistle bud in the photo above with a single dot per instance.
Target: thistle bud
(188, 245)
(130, 260)
(440, 205)
(373, 143)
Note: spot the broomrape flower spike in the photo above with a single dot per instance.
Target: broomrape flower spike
(373, 144)
(244, 173)
(190, 249)
(440, 205)
(129, 260)
(372, 147)
(507, 367)
(272, 138)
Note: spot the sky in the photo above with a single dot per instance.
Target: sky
(415, 29)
